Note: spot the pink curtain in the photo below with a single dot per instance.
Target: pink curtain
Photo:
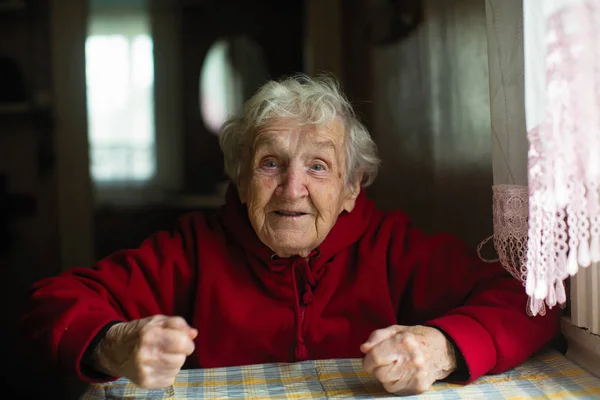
(562, 104)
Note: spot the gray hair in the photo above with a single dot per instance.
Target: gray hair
(317, 101)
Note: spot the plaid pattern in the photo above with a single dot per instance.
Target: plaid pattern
(548, 375)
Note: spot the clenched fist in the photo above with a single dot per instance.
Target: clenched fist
(149, 352)
(408, 359)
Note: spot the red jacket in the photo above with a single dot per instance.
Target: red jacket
(373, 270)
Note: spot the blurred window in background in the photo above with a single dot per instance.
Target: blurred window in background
(232, 72)
(120, 94)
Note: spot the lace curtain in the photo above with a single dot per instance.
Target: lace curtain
(562, 102)
(509, 136)
(544, 231)
(547, 169)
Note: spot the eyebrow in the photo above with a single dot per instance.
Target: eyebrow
(262, 141)
(267, 141)
(325, 144)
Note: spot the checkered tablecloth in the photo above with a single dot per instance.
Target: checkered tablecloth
(548, 375)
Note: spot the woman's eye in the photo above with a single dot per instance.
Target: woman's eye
(270, 164)
(317, 167)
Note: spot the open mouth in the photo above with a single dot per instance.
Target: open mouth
(289, 213)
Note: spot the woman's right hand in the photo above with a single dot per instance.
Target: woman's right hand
(149, 352)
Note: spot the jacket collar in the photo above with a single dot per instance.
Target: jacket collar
(347, 230)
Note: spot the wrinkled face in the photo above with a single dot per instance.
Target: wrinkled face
(294, 185)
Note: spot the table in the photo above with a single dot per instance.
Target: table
(547, 375)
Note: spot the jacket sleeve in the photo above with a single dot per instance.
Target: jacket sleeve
(480, 306)
(63, 314)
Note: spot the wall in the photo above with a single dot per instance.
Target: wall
(28, 159)
(322, 37)
(69, 28)
(25, 141)
(431, 119)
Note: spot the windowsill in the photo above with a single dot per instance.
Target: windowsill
(584, 347)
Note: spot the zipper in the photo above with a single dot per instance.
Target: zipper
(301, 352)
(302, 309)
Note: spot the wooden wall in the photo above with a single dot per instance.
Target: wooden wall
(427, 106)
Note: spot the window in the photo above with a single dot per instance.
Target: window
(220, 92)
(120, 98)
(234, 68)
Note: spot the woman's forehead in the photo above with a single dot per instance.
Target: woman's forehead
(278, 132)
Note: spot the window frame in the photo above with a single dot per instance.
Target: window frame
(166, 183)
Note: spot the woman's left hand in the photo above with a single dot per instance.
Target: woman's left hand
(408, 359)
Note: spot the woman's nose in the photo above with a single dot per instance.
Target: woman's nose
(293, 185)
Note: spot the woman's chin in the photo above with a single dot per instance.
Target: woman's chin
(290, 248)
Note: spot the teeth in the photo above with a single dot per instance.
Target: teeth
(289, 214)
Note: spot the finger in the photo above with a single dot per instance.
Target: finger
(164, 365)
(410, 384)
(382, 354)
(145, 324)
(155, 319)
(155, 382)
(409, 346)
(177, 323)
(192, 333)
(409, 376)
(175, 341)
(170, 362)
(379, 336)
(384, 374)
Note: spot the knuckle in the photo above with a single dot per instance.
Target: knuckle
(365, 362)
(377, 357)
(146, 340)
(178, 344)
(146, 332)
(182, 344)
(143, 381)
(422, 383)
(381, 333)
(419, 361)
(180, 360)
(421, 376)
(390, 388)
(374, 335)
(167, 381)
(177, 320)
(421, 387)
(381, 375)
(369, 364)
(140, 372)
(408, 339)
(191, 349)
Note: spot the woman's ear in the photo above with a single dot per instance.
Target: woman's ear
(352, 192)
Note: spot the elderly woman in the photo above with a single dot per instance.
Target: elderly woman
(298, 264)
